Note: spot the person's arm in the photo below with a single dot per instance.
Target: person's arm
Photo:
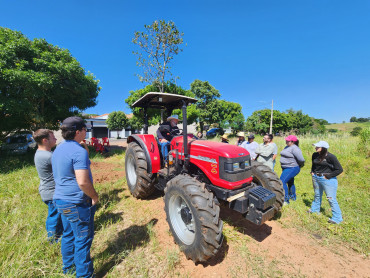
(160, 136)
(313, 166)
(337, 168)
(297, 153)
(85, 184)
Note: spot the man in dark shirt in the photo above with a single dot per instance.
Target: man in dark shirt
(166, 132)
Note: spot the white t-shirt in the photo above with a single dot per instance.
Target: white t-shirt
(251, 148)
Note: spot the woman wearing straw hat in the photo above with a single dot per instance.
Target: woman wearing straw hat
(324, 171)
(241, 139)
(291, 161)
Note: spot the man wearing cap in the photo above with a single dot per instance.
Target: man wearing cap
(250, 146)
(75, 198)
(166, 132)
(325, 169)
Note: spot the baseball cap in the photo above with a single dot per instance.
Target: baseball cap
(291, 138)
(251, 136)
(321, 144)
(74, 123)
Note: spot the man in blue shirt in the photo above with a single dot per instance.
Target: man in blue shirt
(75, 198)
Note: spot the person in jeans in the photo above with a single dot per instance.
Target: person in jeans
(166, 132)
(75, 198)
(324, 171)
(46, 140)
(291, 161)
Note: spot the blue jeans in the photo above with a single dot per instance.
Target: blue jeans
(54, 226)
(273, 165)
(287, 177)
(78, 234)
(164, 150)
(330, 187)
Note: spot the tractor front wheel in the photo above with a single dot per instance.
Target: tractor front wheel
(193, 217)
(139, 181)
(265, 177)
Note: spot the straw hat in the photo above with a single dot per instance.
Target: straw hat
(240, 134)
(224, 137)
(173, 117)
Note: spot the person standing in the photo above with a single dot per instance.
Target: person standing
(291, 161)
(265, 151)
(250, 146)
(46, 140)
(275, 152)
(75, 198)
(241, 138)
(325, 169)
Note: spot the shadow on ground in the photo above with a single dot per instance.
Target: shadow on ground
(123, 244)
(11, 162)
(242, 225)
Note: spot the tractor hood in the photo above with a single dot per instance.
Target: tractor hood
(213, 149)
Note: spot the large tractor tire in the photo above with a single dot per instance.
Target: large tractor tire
(193, 217)
(140, 182)
(265, 177)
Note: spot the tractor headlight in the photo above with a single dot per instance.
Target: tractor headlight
(236, 166)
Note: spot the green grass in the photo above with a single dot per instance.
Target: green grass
(126, 244)
(347, 127)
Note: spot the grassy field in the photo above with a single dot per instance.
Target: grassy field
(347, 127)
(134, 249)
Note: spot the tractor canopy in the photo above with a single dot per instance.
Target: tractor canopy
(163, 100)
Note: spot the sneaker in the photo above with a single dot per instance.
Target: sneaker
(332, 222)
(285, 203)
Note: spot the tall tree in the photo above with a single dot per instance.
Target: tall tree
(40, 84)
(207, 104)
(158, 45)
(117, 121)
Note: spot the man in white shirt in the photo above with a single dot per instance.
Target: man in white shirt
(250, 146)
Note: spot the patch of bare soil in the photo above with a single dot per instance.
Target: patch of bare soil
(105, 172)
(291, 252)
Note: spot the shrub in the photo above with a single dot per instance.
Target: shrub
(356, 131)
(332, 130)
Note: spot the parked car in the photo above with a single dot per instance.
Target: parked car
(214, 131)
(19, 143)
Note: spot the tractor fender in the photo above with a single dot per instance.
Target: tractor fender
(150, 148)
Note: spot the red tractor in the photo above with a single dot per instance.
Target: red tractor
(199, 175)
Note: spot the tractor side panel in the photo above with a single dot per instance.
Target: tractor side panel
(151, 150)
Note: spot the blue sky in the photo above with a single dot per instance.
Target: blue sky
(310, 55)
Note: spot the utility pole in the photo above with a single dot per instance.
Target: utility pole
(272, 112)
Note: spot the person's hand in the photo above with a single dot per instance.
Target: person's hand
(164, 141)
(312, 174)
(95, 200)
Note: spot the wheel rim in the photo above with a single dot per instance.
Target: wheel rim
(182, 219)
(131, 170)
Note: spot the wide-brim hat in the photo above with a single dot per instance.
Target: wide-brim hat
(291, 138)
(240, 134)
(224, 137)
(173, 117)
(321, 144)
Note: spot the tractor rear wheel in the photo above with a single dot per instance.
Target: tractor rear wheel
(265, 177)
(139, 181)
(193, 217)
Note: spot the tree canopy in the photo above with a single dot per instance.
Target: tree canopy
(289, 121)
(117, 120)
(158, 44)
(40, 84)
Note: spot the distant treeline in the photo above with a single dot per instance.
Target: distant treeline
(359, 120)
